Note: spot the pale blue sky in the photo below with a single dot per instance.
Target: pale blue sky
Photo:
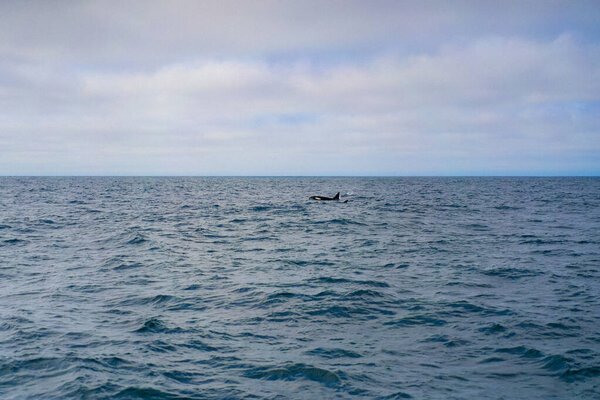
(300, 88)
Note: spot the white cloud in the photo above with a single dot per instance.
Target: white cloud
(74, 101)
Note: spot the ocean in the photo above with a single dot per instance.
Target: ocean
(243, 288)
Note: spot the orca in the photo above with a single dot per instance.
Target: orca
(323, 198)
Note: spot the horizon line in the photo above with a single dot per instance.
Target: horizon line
(302, 176)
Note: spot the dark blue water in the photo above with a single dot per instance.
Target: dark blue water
(242, 288)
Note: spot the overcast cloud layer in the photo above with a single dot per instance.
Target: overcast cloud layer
(299, 88)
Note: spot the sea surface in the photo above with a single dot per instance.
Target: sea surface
(243, 288)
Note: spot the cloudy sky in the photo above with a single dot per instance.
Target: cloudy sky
(299, 87)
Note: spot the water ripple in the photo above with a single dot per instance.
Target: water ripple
(426, 288)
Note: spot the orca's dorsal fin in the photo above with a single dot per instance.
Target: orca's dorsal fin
(337, 196)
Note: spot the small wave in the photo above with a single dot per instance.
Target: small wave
(303, 263)
(478, 227)
(578, 242)
(572, 374)
(473, 308)
(254, 336)
(562, 327)
(538, 241)
(347, 312)
(160, 346)
(529, 325)
(145, 393)
(496, 328)
(124, 266)
(197, 344)
(417, 320)
(187, 305)
(327, 279)
(522, 351)
(397, 396)
(259, 238)
(32, 364)
(284, 250)
(466, 306)
(332, 353)
(551, 330)
(338, 221)
(327, 293)
(260, 208)
(155, 325)
(286, 295)
(212, 236)
(456, 343)
(137, 239)
(294, 372)
(511, 273)
(280, 297)
(114, 362)
(556, 363)
(489, 360)
(160, 299)
(180, 376)
(279, 316)
(13, 241)
(363, 293)
(394, 265)
(505, 207)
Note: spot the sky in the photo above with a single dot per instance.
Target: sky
(299, 87)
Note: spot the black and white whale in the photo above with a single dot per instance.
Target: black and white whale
(323, 198)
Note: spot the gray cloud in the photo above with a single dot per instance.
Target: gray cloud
(156, 32)
(240, 88)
